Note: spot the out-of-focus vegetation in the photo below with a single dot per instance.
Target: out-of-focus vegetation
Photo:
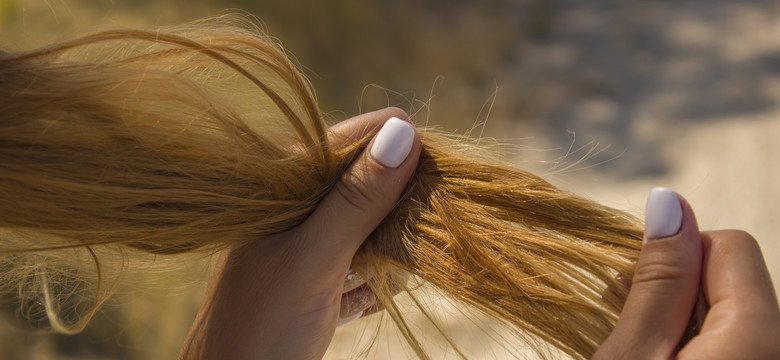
(624, 73)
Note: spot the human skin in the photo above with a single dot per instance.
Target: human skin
(743, 320)
(282, 297)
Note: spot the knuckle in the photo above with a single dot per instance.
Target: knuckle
(730, 241)
(659, 273)
(397, 112)
(741, 236)
(356, 189)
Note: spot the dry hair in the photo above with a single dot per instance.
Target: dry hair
(133, 146)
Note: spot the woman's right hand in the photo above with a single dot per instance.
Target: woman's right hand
(743, 321)
(283, 296)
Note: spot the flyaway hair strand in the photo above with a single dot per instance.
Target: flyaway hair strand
(126, 146)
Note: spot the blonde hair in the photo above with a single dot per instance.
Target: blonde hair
(142, 145)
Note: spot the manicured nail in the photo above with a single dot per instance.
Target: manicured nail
(352, 281)
(348, 320)
(663, 215)
(393, 142)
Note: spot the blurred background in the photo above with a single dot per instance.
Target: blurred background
(605, 98)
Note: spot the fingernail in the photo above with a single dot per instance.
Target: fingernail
(352, 280)
(393, 142)
(348, 320)
(663, 215)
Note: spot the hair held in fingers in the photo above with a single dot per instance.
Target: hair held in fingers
(126, 147)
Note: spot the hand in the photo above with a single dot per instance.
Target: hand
(743, 321)
(282, 297)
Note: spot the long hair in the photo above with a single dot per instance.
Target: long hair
(134, 146)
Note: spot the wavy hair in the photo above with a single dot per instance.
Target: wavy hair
(135, 146)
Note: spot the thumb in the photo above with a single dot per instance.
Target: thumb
(367, 191)
(665, 284)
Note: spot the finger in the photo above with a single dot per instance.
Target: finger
(365, 194)
(665, 283)
(355, 302)
(743, 305)
(350, 131)
(736, 271)
(352, 281)
(396, 283)
(362, 301)
(358, 295)
(359, 272)
(616, 291)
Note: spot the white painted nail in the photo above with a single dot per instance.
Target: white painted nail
(663, 215)
(348, 320)
(393, 142)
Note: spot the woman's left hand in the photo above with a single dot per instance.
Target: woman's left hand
(282, 297)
